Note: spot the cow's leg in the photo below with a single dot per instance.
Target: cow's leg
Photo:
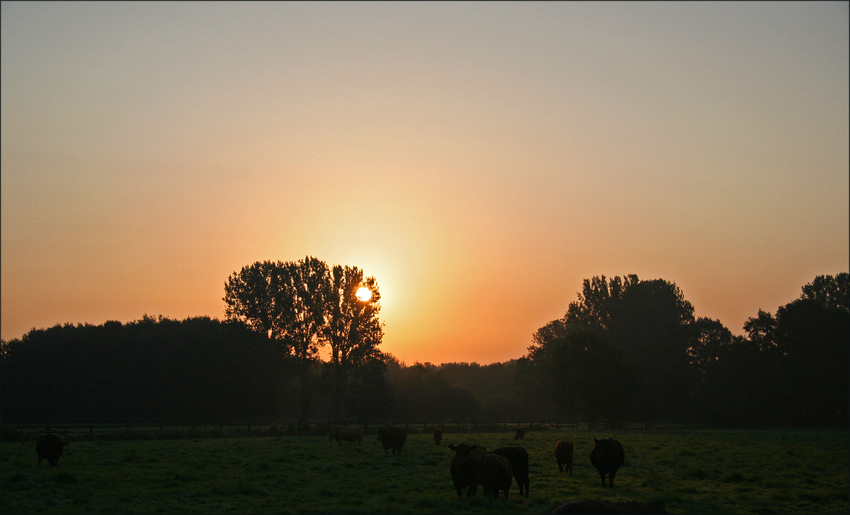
(459, 488)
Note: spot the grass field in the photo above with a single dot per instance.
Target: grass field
(690, 471)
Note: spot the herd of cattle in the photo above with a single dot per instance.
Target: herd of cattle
(472, 465)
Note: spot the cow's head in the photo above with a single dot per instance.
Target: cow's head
(463, 449)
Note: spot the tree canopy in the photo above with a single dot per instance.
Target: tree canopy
(305, 305)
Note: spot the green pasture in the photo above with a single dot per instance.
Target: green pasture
(690, 471)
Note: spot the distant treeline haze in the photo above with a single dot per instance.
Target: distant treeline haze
(626, 350)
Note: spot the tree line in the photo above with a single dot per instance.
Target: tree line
(633, 350)
(625, 350)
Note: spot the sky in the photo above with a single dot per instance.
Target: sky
(480, 160)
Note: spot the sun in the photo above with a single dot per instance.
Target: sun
(363, 294)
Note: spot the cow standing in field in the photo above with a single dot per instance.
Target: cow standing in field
(518, 457)
(564, 455)
(472, 466)
(520, 433)
(49, 447)
(438, 436)
(345, 434)
(494, 473)
(463, 475)
(392, 438)
(607, 456)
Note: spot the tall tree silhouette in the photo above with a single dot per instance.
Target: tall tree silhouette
(650, 327)
(304, 305)
(286, 301)
(352, 328)
(807, 351)
(626, 330)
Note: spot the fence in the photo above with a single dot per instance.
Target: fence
(10, 433)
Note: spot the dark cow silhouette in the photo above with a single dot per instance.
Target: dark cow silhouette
(588, 506)
(520, 433)
(438, 436)
(494, 473)
(392, 438)
(463, 474)
(345, 434)
(607, 456)
(472, 466)
(518, 457)
(49, 447)
(564, 455)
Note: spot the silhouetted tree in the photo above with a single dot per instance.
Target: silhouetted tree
(286, 301)
(304, 305)
(352, 329)
(583, 372)
(629, 339)
(812, 341)
(647, 323)
(536, 371)
(761, 330)
(597, 300)
(711, 347)
(649, 326)
(829, 291)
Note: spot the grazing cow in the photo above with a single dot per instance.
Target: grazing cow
(518, 457)
(345, 434)
(392, 437)
(564, 455)
(438, 436)
(520, 433)
(463, 474)
(593, 506)
(607, 456)
(49, 447)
